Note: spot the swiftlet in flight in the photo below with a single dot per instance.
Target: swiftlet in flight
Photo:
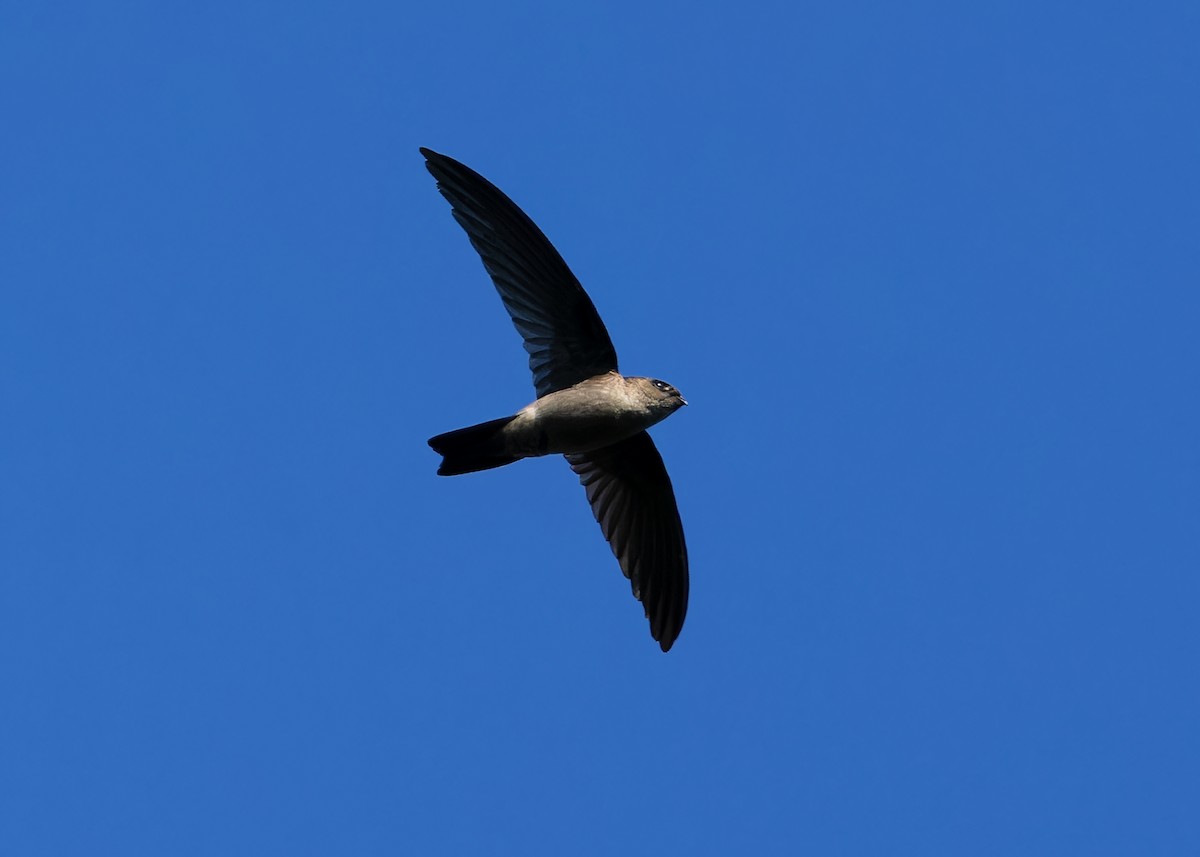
(585, 409)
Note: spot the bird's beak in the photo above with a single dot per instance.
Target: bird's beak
(682, 399)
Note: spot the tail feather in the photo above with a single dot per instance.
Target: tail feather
(480, 447)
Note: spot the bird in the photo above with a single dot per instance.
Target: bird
(585, 409)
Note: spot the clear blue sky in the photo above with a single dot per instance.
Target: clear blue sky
(927, 273)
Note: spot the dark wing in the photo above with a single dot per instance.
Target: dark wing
(563, 333)
(632, 499)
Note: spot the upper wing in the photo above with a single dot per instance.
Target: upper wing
(632, 499)
(563, 333)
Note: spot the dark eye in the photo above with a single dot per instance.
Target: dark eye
(662, 385)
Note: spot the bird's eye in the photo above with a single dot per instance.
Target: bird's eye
(662, 385)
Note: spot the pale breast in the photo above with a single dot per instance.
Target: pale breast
(579, 419)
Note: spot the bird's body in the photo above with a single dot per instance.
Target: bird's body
(593, 414)
(585, 410)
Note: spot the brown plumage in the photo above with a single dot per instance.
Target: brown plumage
(585, 409)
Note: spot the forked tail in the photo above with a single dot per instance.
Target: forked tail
(480, 447)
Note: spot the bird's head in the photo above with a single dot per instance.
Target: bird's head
(663, 395)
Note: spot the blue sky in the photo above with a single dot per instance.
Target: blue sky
(927, 274)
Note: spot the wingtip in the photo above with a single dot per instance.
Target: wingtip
(432, 158)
